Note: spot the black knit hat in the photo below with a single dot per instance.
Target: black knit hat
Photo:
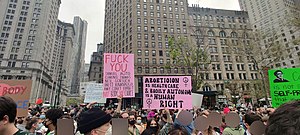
(92, 119)
(54, 114)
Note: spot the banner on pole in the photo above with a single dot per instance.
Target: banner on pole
(172, 92)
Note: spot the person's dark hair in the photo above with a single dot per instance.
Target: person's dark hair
(250, 118)
(53, 115)
(8, 107)
(148, 132)
(285, 120)
(178, 131)
(149, 122)
(277, 71)
(30, 123)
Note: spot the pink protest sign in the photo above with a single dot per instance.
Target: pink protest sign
(118, 75)
(173, 92)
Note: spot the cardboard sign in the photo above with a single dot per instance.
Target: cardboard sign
(172, 92)
(65, 127)
(197, 100)
(119, 126)
(118, 77)
(19, 91)
(94, 92)
(284, 85)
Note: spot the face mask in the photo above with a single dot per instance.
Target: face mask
(45, 124)
(138, 121)
(109, 131)
(154, 129)
(131, 122)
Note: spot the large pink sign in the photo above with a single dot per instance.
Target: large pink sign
(173, 92)
(118, 75)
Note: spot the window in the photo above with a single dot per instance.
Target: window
(146, 44)
(147, 61)
(138, 13)
(139, 21)
(153, 60)
(145, 13)
(139, 69)
(210, 33)
(153, 53)
(138, 28)
(138, 6)
(154, 70)
(146, 52)
(161, 61)
(160, 53)
(233, 34)
(139, 52)
(147, 70)
(139, 60)
(222, 34)
(161, 70)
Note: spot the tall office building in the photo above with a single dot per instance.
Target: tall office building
(142, 27)
(27, 38)
(224, 34)
(95, 72)
(272, 16)
(80, 27)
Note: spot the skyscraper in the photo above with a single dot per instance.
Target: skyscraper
(80, 27)
(271, 17)
(27, 38)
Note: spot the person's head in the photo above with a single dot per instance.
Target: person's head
(139, 119)
(32, 124)
(109, 110)
(94, 122)
(278, 74)
(125, 115)
(250, 118)
(52, 116)
(285, 120)
(131, 120)
(8, 112)
(176, 131)
(152, 125)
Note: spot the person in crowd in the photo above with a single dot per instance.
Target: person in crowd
(152, 128)
(139, 124)
(285, 120)
(94, 122)
(51, 120)
(178, 131)
(248, 120)
(8, 112)
(20, 124)
(31, 126)
(132, 129)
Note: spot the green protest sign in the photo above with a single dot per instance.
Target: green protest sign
(284, 85)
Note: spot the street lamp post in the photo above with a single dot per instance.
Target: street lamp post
(57, 96)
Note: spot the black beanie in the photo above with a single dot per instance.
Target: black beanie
(53, 115)
(92, 119)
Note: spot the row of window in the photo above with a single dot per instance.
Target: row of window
(158, 15)
(153, 44)
(160, 53)
(163, 1)
(165, 22)
(164, 8)
(219, 18)
(159, 29)
(161, 61)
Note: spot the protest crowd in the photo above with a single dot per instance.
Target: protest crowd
(91, 120)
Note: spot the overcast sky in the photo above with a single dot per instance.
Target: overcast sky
(93, 12)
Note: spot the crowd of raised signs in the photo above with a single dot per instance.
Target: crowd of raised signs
(112, 120)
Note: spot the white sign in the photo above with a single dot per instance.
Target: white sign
(94, 92)
(197, 100)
